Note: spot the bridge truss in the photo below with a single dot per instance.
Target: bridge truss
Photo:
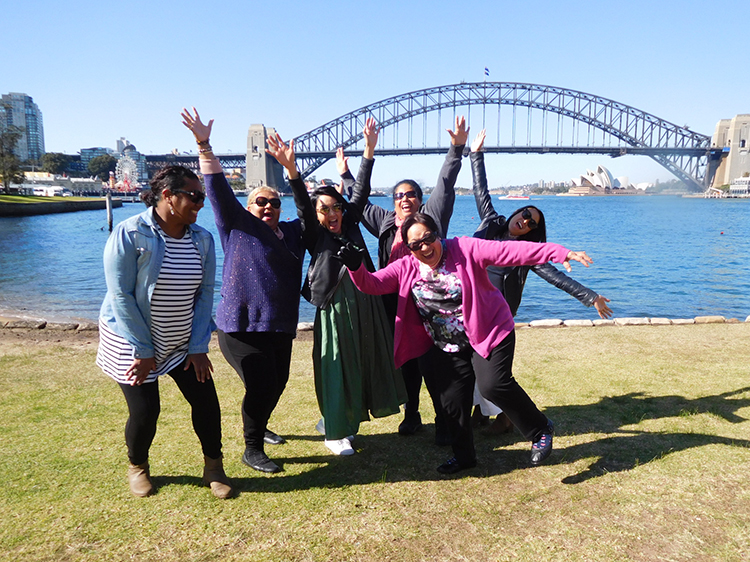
(528, 118)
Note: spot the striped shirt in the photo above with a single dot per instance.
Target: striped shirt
(172, 309)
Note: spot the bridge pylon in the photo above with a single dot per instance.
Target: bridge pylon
(262, 169)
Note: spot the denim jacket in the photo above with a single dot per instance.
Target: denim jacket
(132, 260)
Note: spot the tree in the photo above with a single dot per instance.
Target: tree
(55, 162)
(102, 165)
(10, 165)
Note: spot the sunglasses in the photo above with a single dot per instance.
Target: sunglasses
(531, 223)
(195, 196)
(401, 194)
(417, 245)
(263, 201)
(337, 207)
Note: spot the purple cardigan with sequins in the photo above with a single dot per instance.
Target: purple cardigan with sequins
(262, 274)
(487, 318)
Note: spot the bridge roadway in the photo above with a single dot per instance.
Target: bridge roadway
(235, 160)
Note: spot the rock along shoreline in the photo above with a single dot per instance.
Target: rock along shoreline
(19, 321)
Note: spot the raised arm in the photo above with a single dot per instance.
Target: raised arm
(482, 197)
(362, 187)
(347, 178)
(284, 155)
(440, 204)
(226, 208)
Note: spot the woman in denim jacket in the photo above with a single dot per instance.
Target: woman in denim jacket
(156, 319)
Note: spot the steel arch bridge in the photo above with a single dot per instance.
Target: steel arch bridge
(530, 118)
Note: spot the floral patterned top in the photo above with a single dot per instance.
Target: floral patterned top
(438, 295)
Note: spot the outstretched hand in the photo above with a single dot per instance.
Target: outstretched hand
(201, 131)
(283, 153)
(580, 257)
(350, 255)
(478, 143)
(461, 134)
(371, 132)
(600, 304)
(342, 162)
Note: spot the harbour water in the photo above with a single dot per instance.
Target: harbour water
(653, 256)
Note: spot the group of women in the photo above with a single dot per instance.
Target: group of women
(441, 317)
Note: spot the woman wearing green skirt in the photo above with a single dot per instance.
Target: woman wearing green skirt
(355, 377)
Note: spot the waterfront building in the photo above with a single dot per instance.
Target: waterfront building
(733, 135)
(88, 154)
(20, 110)
(740, 187)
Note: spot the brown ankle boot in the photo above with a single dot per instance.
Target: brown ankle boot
(140, 480)
(500, 425)
(216, 479)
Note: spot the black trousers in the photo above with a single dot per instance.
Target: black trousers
(144, 407)
(262, 360)
(454, 375)
(411, 371)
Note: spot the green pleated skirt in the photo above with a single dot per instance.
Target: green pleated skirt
(353, 362)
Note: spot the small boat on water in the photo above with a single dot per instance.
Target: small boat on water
(505, 197)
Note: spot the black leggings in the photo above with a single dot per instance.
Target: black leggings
(144, 407)
(454, 375)
(262, 360)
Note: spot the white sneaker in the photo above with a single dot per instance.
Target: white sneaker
(341, 447)
(320, 427)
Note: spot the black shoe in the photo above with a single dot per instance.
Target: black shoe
(442, 435)
(270, 438)
(451, 466)
(411, 424)
(541, 449)
(259, 461)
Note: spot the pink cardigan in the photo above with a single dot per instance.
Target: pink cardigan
(487, 318)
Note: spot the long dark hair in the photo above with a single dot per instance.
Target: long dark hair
(538, 234)
(169, 177)
(418, 218)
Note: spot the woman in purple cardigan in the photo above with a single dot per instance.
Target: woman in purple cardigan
(259, 307)
(451, 316)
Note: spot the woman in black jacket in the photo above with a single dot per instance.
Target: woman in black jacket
(526, 223)
(385, 225)
(353, 346)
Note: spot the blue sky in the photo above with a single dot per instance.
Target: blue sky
(103, 70)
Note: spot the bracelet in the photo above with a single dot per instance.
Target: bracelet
(204, 149)
(202, 143)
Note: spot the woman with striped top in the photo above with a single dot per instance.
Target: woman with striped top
(156, 319)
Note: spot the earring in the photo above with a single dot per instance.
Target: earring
(171, 208)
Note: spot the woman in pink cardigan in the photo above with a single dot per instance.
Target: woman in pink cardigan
(450, 314)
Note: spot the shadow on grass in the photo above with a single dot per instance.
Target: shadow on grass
(628, 449)
(394, 458)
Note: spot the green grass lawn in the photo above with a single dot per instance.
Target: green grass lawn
(651, 462)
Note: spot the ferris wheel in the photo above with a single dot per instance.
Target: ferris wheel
(126, 173)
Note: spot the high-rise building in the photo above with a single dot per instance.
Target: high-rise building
(21, 111)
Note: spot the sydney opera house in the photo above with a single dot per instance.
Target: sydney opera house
(602, 182)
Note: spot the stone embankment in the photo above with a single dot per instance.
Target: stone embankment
(30, 209)
(10, 322)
